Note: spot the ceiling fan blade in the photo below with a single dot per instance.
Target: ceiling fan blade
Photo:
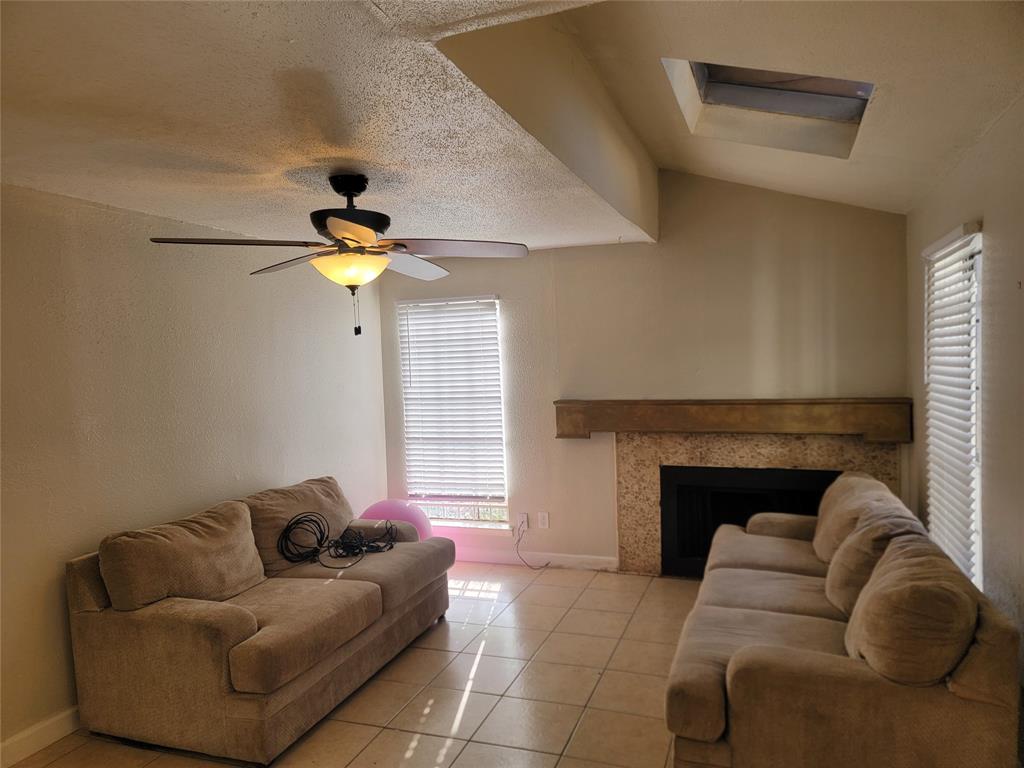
(294, 262)
(413, 266)
(480, 249)
(227, 241)
(346, 230)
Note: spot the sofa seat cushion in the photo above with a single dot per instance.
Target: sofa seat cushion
(916, 616)
(273, 508)
(300, 621)
(695, 704)
(732, 547)
(399, 572)
(768, 591)
(209, 556)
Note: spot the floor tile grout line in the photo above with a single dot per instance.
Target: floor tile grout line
(502, 695)
(381, 729)
(468, 738)
(519, 749)
(586, 705)
(548, 633)
(499, 697)
(483, 720)
(60, 756)
(529, 661)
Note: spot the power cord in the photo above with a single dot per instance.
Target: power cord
(520, 533)
(306, 538)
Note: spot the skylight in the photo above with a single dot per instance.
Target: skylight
(785, 93)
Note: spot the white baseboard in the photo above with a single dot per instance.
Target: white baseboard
(593, 562)
(35, 737)
(506, 556)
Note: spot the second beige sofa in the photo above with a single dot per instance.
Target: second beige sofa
(198, 635)
(846, 640)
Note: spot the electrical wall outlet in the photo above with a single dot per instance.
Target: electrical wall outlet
(522, 520)
(542, 519)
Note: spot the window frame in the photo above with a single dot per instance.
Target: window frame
(965, 242)
(432, 503)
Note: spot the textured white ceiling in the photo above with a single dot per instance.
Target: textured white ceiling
(435, 19)
(231, 114)
(943, 73)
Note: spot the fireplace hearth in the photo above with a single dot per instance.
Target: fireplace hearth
(696, 500)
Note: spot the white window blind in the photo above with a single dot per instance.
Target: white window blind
(451, 387)
(952, 395)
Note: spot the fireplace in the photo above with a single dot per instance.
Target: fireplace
(831, 434)
(696, 500)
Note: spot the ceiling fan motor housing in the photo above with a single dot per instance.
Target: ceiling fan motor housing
(350, 186)
(378, 222)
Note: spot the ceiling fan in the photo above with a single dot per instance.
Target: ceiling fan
(358, 252)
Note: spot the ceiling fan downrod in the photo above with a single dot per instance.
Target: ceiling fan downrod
(349, 185)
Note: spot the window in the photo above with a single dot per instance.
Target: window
(451, 387)
(952, 397)
(783, 110)
(826, 98)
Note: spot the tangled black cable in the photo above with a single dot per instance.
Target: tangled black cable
(306, 538)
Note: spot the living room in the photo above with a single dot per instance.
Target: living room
(726, 259)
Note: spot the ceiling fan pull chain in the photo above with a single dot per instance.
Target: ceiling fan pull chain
(358, 329)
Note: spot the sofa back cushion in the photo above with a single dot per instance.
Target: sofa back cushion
(841, 507)
(916, 616)
(856, 558)
(209, 556)
(273, 508)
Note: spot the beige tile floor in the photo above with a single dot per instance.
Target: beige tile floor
(532, 669)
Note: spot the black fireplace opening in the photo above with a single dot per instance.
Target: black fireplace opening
(696, 500)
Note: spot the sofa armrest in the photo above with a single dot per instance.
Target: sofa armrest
(150, 673)
(371, 529)
(222, 625)
(806, 709)
(783, 525)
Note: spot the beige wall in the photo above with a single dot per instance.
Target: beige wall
(142, 383)
(987, 184)
(748, 293)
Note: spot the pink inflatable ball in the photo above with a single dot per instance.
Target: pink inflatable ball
(396, 509)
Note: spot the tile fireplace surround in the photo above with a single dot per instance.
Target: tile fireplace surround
(851, 434)
(639, 456)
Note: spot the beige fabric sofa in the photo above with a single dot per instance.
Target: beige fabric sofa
(199, 635)
(843, 640)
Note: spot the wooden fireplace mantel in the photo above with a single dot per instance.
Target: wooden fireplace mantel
(876, 419)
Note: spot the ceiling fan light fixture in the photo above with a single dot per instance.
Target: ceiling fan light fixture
(351, 268)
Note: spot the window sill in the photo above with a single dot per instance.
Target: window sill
(478, 525)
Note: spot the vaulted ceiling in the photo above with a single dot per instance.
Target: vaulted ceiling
(943, 73)
(543, 121)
